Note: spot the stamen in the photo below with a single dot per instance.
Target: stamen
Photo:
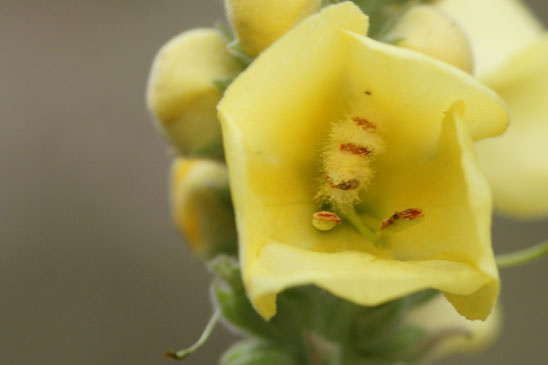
(325, 221)
(355, 149)
(345, 185)
(409, 215)
(353, 218)
(362, 122)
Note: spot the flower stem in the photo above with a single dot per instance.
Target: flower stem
(182, 354)
(522, 257)
(355, 220)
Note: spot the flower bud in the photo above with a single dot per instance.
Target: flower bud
(182, 95)
(425, 29)
(258, 23)
(451, 333)
(201, 206)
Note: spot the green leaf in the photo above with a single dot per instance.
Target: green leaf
(253, 352)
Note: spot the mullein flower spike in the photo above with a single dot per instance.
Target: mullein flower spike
(354, 183)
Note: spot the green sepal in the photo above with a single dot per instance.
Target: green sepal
(253, 352)
(237, 51)
(225, 30)
(229, 295)
(309, 318)
(223, 84)
(383, 14)
(403, 346)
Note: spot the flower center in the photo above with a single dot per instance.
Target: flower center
(352, 146)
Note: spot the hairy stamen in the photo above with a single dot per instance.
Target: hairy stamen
(362, 122)
(351, 184)
(355, 149)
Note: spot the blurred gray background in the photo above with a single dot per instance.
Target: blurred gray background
(91, 268)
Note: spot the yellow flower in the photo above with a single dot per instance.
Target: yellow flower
(457, 335)
(200, 205)
(511, 54)
(181, 93)
(277, 118)
(258, 23)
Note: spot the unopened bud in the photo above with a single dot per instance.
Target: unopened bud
(182, 95)
(258, 23)
(201, 206)
(426, 30)
(449, 332)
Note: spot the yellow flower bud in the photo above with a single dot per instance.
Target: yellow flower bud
(511, 57)
(258, 23)
(425, 29)
(457, 334)
(495, 36)
(201, 207)
(181, 92)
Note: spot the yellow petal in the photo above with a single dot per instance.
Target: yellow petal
(258, 23)
(437, 316)
(516, 163)
(496, 28)
(181, 94)
(427, 30)
(200, 205)
(275, 118)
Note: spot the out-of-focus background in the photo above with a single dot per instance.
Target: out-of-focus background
(91, 268)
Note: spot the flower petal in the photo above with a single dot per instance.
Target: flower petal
(275, 117)
(516, 163)
(496, 28)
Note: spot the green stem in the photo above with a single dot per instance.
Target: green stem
(522, 257)
(354, 219)
(182, 354)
